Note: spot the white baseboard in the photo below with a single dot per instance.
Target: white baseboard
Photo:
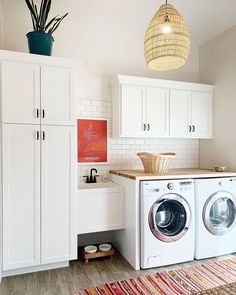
(19, 271)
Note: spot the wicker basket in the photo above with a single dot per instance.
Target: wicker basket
(156, 163)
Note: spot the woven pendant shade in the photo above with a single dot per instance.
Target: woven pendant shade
(167, 42)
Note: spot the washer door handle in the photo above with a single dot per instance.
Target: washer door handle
(154, 211)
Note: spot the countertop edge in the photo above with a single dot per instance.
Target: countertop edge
(174, 174)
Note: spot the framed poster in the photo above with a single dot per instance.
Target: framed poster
(92, 141)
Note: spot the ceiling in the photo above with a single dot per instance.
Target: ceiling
(206, 18)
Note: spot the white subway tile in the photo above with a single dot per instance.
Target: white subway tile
(97, 103)
(96, 114)
(85, 102)
(116, 147)
(121, 141)
(82, 108)
(85, 114)
(139, 141)
(131, 141)
(91, 108)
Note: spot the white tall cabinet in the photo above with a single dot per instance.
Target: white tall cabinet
(38, 162)
(21, 196)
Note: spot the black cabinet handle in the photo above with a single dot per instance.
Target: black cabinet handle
(43, 113)
(148, 127)
(37, 135)
(43, 135)
(37, 113)
(144, 127)
(193, 128)
(190, 128)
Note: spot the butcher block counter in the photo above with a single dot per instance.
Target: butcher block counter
(173, 174)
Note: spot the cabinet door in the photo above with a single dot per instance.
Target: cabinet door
(20, 84)
(133, 108)
(201, 105)
(21, 196)
(58, 185)
(157, 118)
(180, 112)
(99, 210)
(57, 88)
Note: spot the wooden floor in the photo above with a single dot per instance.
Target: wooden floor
(66, 281)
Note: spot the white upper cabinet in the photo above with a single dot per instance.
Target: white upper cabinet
(190, 114)
(180, 113)
(56, 96)
(201, 111)
(144, 107)
(157, 112)
(32, 94)
(21, 195)
(144, 112)
(20, 92)
(132, 110)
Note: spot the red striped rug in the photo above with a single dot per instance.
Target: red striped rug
(190, 280)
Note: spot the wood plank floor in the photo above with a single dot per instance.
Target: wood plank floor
(66, 281)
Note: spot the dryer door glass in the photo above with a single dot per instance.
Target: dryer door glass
(219, 213)
(169, 218)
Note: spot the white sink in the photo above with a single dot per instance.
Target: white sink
(97, 185)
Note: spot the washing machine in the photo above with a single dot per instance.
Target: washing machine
(215, 217)
(167, 222)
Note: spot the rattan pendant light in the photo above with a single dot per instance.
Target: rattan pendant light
(167, 42)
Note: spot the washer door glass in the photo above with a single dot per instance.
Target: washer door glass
(219, 213)
(169, 218)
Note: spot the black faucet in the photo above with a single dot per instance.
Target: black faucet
(92, 178)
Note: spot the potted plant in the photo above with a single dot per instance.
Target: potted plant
(40, 40)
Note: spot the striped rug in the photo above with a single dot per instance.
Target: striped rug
(190, 280)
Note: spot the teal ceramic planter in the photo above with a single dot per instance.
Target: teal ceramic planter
(40, 43)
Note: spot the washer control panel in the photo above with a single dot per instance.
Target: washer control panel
(185, 185)
(167, 186)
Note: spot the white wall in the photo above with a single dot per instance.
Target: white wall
(218, 66)
(106, 35)
(1, 24)
(1, 36)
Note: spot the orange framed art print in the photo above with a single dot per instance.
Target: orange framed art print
(92, 136)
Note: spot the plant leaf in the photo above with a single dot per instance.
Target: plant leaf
(50, 22)
(34, 23)
(42, 15)
(39, 19)
(36, 12)
(56, 25)
(41, 12)
(46, 12)
(32, 11)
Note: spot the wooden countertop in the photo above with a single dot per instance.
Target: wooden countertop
(173, 174)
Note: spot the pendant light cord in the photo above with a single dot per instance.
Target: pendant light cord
(166, 16)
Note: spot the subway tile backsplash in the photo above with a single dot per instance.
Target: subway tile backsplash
(122, 152)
